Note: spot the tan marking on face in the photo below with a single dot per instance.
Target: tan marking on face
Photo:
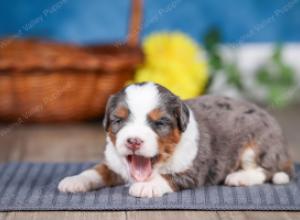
(167, 144)
(155, 114)
(112, 136)
(122, 112)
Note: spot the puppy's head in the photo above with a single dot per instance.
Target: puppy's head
(144, 122)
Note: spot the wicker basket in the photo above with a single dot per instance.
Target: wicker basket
(52, 82)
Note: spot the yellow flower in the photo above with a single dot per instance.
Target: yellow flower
(174, 61)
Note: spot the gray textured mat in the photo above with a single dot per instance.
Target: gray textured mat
(30, 186)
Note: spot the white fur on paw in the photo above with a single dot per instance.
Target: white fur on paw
(84, 182)
(74, 184)
(280, 178)
(156, 187)
(246, 177)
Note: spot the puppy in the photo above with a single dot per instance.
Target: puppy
(160, 144)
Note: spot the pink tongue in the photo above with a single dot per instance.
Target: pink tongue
(140, 167)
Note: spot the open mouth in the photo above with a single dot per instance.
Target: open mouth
(140, 167)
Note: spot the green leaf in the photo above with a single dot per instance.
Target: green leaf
(234, 76)
(279, 96)
(263, 76)
(277, 54)
(212, 38)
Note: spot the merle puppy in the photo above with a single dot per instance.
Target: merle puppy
(160, 144)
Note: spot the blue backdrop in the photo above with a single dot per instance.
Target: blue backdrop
(90, 21)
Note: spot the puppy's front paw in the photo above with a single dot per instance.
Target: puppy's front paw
(84, 182)
(156, 187)
(74, 184)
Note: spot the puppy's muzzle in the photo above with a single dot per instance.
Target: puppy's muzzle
(134, 144)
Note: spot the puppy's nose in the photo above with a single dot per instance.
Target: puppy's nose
(134, 143)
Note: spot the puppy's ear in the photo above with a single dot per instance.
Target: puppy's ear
(108, 110)
(182, 115)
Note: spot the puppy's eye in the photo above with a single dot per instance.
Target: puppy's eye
(117, 120)
(161, 123)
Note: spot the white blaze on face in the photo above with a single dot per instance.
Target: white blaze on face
(141, 100)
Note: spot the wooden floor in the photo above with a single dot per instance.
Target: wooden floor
(83, 142)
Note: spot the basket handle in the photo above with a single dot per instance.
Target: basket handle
(135, 23)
